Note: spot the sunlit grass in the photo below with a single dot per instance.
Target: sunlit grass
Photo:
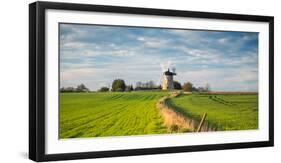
(225, 112)
(110, 114)
(135, 113)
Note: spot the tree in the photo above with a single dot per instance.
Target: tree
(62, 89)
(129, 88)
(138, 84)
(159, 87)
(201, 89)
(118, 85)
(177, 85)
(188, 87)
(103, 89)
(70, 89)
(151, 84)
(82, 88)
(67, 89)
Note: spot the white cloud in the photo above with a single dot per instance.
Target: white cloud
(223, 41)
(221, 79)
(153, 42)
(143, 57)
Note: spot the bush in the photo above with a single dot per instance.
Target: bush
(103, 89)
(177, 85)
(82, 88)
(129, 88)
(118, 85)
(79, 88)
(188, 87)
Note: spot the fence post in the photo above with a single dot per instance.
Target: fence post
(201, 122)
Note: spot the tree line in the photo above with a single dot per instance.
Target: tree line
(119, 85)
(189, 87)
(79, 88)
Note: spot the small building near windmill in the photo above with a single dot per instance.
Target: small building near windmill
(168, 81)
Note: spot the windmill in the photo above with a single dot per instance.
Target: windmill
(168, 81)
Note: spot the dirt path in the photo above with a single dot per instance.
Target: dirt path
(176, 121)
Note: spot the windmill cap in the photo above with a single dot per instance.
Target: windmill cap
(169, 73)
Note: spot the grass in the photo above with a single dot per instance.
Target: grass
(224, 111)
(110, 114)
(135, 113)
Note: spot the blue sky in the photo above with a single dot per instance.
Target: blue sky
(96, 55)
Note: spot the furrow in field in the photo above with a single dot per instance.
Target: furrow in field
(88, 116)
(90, 122)
(110, 114)
(226, 112)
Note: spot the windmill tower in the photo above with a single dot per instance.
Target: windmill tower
(168, 81)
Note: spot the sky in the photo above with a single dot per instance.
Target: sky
(95, 55)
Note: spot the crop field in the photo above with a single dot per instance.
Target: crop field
(224, 111)
(110, 114)
(135, 113)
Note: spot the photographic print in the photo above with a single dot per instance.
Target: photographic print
(131, 80)
(107, 81)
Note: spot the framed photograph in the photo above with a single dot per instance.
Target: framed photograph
(110, 81)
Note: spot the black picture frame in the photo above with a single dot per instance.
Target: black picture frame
(37, 78)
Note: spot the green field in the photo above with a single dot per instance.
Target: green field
(135, 113)
(110, 114)
(224, 112)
